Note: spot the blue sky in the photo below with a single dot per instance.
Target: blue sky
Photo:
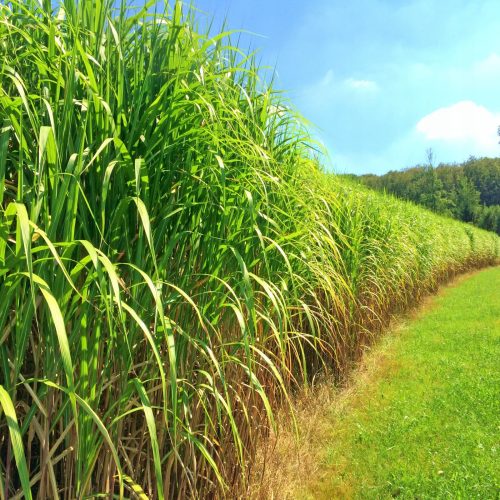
(382, 80)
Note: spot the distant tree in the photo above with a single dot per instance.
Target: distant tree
(467, 199)
(484, 173)
(430, 157)
(489, 218)
(428, 191)
(466, 191)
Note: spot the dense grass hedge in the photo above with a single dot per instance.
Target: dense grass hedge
(172, 261)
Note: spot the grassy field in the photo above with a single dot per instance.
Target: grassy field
(423, 420)
(174, 263)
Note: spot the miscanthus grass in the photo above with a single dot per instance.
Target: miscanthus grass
(172, 261)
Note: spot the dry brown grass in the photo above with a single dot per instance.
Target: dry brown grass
(292, 456)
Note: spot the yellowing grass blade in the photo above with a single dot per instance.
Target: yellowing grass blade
(16, 441)
(150, 421)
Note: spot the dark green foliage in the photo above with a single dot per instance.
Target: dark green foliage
(489, 218)
(466, 192)
(484, 173)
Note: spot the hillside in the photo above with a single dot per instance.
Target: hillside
(469, 192)
(174, 263)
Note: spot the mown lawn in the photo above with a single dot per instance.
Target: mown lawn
(425, 422)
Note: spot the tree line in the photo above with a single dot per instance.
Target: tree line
(469, 191)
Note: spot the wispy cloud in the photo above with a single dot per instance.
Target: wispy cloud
(327, 90)
(327, 80)
(490, 66)
(363, 85)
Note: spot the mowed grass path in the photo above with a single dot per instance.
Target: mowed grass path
(422, 420)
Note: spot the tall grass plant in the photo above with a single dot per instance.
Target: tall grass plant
(172, 260)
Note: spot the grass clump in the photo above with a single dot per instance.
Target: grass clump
(172, 261)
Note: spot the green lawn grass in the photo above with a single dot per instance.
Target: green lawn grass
(426, 422)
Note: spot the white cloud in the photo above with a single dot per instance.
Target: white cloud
(463, 121)
(367, 85)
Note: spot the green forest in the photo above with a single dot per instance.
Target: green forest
(469, 191)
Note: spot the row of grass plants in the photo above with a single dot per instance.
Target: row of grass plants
(173, 262)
